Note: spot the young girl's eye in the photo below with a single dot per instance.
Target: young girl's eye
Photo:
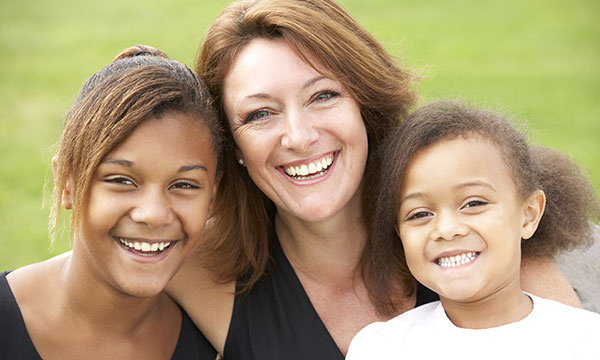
(325, 95)
(120, 180)
(419, 215)
(183, 185)
(474, 203)
(255, 116)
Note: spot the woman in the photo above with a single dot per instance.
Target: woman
(307, 95)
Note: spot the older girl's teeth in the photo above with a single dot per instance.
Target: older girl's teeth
(144, 246)
(310, 169)
(457, 260)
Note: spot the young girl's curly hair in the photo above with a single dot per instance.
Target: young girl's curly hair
(571, 202)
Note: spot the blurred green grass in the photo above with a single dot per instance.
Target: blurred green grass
(540, 60)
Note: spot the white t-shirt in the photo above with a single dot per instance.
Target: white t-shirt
(551, 331)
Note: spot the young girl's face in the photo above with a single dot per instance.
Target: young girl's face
(147, 205)
(461, 219)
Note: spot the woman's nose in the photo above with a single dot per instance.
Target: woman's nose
(153, 209)
(299, 132)
(448, 226)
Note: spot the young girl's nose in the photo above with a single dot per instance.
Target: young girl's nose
(299, 132)
(153, 209)
(448, 226)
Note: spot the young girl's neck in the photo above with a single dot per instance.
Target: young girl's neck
(503, 307)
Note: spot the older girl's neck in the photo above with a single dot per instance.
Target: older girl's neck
(100, 304)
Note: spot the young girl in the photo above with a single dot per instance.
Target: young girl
(137, 165)
(465, 193)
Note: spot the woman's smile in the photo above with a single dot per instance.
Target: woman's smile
(300, 134)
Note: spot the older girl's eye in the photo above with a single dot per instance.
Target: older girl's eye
(255, 116)
(119, 180)
(325, 95)
(183, 185)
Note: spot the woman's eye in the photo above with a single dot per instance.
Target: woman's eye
(474, 203)
(183, 185)
(256, 115)
(119, 180)
(419, 215)
(325, 95)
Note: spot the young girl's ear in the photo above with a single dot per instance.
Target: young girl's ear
(533, 209)
(66, 199)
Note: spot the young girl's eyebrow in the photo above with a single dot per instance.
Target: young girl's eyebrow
(476, 183)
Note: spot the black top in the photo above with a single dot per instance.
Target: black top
(276, 320)
(15, 342)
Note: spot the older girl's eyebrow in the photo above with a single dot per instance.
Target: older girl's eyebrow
(192, 167)
(129, 164)
(121, 162)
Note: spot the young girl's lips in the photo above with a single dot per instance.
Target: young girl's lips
(456, 259)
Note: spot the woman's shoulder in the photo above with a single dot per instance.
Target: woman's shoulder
(208, 302)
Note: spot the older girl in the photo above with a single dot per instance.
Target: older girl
(137, 164)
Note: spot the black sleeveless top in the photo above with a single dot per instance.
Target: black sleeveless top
(15, 342)
(276, 320)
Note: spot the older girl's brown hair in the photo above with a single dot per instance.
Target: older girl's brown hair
(570, 198)
(325, 36)
(140, 83)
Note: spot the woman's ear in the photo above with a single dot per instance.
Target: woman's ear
(533, 209)
(239, 157)
(66, 199)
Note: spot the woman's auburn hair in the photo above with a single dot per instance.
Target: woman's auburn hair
(326, 37)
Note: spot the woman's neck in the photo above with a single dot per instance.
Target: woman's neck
(329, 249)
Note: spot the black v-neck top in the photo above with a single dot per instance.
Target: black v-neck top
(16, 344)
(275, 320)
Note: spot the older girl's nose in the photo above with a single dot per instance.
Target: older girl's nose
(153, 209)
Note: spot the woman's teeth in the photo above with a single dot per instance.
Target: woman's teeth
(144, 246)
(310, 170)
(457, 260)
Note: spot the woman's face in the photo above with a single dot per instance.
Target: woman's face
(300, 134)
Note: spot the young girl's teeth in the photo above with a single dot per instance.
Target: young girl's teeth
(457, 260)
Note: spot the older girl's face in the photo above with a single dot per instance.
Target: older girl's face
(300, 133)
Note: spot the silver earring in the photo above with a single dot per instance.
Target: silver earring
(241, 161)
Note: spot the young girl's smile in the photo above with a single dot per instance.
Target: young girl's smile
(148, 202)
(461, 219)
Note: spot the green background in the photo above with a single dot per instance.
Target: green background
(538, 59)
